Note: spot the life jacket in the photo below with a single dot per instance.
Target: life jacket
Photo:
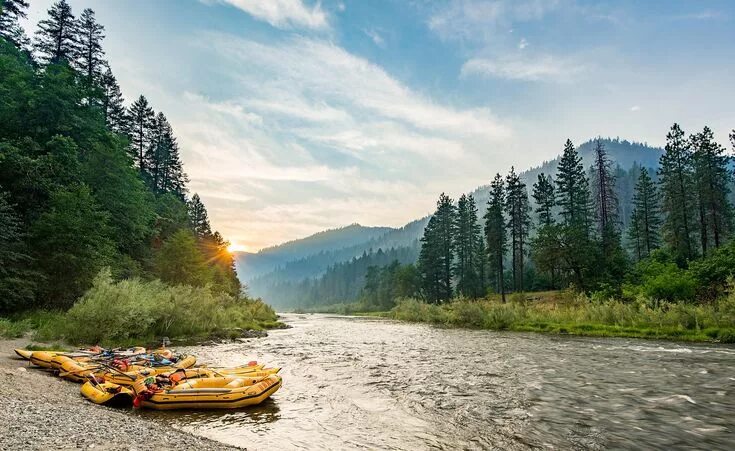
(145, 395)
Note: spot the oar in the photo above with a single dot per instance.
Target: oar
(66, 373)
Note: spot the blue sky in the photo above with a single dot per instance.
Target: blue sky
(295, 116)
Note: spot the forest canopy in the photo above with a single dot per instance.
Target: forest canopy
(87, 180)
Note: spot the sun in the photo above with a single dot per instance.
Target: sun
(236, 247)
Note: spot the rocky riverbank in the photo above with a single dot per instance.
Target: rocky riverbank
(44, 412)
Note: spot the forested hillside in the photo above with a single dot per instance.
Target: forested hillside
(88, 181)
(292, 284)
(323, 243)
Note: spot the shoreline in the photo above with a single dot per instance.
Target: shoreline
(46, 412)
(548, 326)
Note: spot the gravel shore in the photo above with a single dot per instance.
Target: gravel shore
(41, 411)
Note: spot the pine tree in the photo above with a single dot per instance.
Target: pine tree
(56, 38)
(113, 109)
(676, 176)
(467, 234)
(545, 197)
(572, 244)
(437, 253)
(10, 13)
(140, 122)
(572, 188)
(495, 234)
(611, 257)
(89, 58)
(165, 170)
(645, 224)
(519, 223)
(198, 217)
(158, 151)
(605, 199)
(174, 178)
(711, 178)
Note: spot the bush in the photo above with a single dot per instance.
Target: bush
(584, 316)
(135, 311)
(662, 280)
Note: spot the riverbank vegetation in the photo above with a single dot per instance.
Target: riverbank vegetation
(97, 225)
(667, 275)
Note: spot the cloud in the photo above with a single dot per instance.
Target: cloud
(635, 108)
(480, 20)
(707, 14)
(523, 44)
(376, 37)
(296, 73)
(284, 13)
(312, 136)
(544, 68)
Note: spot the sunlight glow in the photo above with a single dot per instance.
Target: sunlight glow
(236, 247)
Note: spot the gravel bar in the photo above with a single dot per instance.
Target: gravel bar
(42, 412)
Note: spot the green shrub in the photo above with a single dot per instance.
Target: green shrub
(662, 280)
(135, 311)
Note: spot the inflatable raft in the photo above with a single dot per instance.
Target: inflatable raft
(79, 371)
(207, 393)
(107, 393)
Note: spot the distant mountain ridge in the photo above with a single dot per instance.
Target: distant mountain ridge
(291, 262)
(251, 265)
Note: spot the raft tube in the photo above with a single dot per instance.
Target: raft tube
(210, 393)
(107, 394)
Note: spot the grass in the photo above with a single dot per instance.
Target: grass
(566, 313)
(352, 308)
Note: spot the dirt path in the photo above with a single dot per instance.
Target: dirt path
(41, 411)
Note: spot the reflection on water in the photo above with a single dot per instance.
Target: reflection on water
(368, 383)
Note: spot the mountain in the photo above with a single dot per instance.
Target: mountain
(268, 259)
(316, 264)
(308, 266)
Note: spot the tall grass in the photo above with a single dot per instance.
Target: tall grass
(583, 316)
(134, 311)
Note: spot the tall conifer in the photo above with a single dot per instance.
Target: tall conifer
(113, 109)
(437, 252)
(676, 176)
(495, 234)
(643, 233)
(140, 124)
(57, 36)
(519, 223)
(10, 13)
(89, 54)
(712, 179)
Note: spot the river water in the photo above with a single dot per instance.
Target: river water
(377, 384)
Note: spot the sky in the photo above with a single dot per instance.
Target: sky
(296, 116)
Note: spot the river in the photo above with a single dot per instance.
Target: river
(371, 383)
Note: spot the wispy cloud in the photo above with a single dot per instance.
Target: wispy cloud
(480, 20)
(635, 108)
(376, 37)
(284, 13)
(311, 120)
(707, 14)
(299, 69)
(544, 68)
(523, 44)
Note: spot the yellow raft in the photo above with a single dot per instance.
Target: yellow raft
(108, 394)
(209, 393)
(80, 371)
